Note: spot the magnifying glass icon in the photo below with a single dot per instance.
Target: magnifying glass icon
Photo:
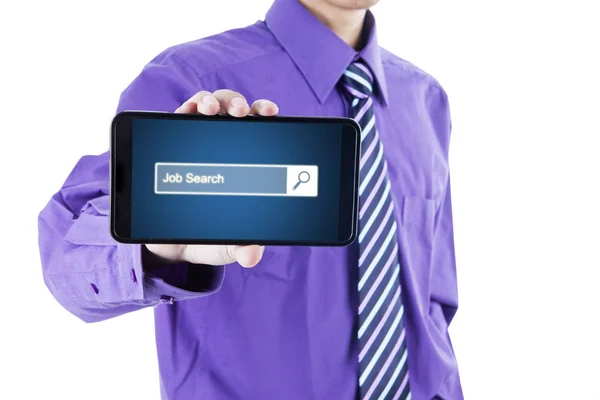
(303, 177)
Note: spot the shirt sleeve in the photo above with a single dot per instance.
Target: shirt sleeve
(87, 271)
(444, 290)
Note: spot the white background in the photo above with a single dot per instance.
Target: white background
(523, 80)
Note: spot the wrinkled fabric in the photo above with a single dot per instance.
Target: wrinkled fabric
(285, 329)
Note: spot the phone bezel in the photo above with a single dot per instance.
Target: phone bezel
(120, 178)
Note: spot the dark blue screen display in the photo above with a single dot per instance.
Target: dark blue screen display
(230, 180)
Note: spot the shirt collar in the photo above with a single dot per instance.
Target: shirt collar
(320, 55)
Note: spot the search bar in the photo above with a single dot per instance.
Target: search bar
(236, 179)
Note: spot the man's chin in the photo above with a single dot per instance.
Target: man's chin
(353, 4)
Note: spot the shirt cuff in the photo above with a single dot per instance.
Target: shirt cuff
(178, 281)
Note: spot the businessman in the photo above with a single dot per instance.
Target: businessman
(367, 321)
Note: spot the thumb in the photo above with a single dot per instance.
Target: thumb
(247, 256)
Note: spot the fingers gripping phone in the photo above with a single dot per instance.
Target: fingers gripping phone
(194, 179)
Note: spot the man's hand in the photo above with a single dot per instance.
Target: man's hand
(156, 255)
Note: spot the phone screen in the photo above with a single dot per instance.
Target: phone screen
(241, 181)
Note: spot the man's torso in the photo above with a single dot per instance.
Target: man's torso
(287, 328)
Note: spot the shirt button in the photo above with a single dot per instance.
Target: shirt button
(94, 288)
(167, 299)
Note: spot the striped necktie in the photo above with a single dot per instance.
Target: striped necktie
(383, 366)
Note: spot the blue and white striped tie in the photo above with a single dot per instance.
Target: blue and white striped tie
(383, 366)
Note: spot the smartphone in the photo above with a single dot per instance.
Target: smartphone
(194, 179)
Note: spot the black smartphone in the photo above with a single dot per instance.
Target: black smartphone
(193, 179)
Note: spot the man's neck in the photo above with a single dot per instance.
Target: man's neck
(347, 24)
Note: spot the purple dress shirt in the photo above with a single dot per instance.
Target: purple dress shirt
(285, 329)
